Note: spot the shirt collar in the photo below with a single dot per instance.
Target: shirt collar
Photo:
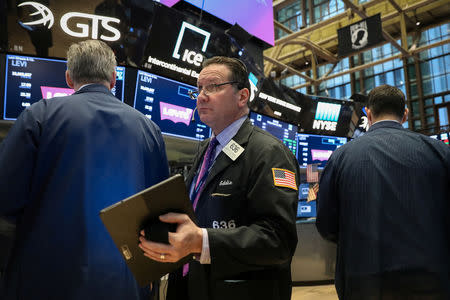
(387, 121)
(229, 132)
(84, 85)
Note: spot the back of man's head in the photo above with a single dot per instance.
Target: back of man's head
(237, 69)
(386, 100)
(91, 61)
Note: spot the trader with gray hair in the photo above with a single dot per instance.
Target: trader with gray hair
(64, 160)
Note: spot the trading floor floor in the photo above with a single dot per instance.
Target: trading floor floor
(315, 292)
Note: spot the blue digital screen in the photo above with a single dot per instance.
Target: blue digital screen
(303, 191)
(167, 103)
(283, 131)
(30, 79)
(307, 209)
(317, 149)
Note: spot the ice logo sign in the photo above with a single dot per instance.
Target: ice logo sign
(190, 56)
(89, 26)
(46, 14)
(175, 113)
(327, 115)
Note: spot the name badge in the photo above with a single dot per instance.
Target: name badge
(233, 150)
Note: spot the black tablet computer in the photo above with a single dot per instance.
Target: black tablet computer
(126, 218)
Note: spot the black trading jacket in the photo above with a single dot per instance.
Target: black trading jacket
(250, 222)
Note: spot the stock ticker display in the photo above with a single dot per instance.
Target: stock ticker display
(167, 103)
(30, 79)
(317, 149)
(285, 132)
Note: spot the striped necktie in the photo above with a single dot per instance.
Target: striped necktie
(208, 158)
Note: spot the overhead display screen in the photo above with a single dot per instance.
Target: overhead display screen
(327, 116)
(285, 132)
(258, 23)
(29, 79)
(167, 103)
(317, 149)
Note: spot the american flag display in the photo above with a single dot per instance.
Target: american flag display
(312, 192)
(312, 175)
(285, 178)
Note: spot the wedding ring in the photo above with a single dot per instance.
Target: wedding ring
(162, 256)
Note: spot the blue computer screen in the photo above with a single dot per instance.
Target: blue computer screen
(167, 103)
(285, 132)
(29, 79)
(307, 209)
(317, 149)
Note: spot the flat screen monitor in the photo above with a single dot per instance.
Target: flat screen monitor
(167, 103)
(317, 149)
(285, 132)
(29, 79)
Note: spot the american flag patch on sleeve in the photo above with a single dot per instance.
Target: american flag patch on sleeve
(285, 178)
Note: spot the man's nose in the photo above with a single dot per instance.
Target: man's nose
(202, 96)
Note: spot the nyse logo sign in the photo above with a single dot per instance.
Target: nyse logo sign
(83, 22)
(327, 115)
(190, 56)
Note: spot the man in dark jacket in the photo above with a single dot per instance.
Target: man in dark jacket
(383, 199)
(245, 203)
(63, 161)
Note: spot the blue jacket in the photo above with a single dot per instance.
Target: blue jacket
(63, 161)
(384, 198)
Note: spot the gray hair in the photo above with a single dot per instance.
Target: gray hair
(90, 61)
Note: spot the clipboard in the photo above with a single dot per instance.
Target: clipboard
(126, 218)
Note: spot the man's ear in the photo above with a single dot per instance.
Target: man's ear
(369, 116)
(405, 115)
(244, 95)
(69, 80)
(112, 83)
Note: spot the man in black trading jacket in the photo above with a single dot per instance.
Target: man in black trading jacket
(245, 204)
(383, 199)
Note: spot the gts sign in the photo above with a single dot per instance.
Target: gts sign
(87, 25)
(189, 56)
